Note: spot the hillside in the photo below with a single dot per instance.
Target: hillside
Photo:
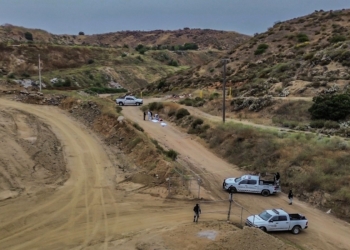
(299, 57)
(130, 59)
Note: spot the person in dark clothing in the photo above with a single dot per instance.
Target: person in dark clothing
(290, 197)
(144, 115)
(197, 211)
(151, 115)
(277, 178)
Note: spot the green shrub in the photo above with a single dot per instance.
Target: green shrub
(302, 38)
(317, 123)
(337, 38)
(261, 49)
(331, 124)
(335, 107)
(28, 36)
(119, 109)
(155, 106)
(196, 122)
(173, 63)
(182, 113)
(172, 154)
(171, 112)
(187, 102)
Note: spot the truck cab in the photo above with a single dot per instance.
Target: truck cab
(129, 100)
(251, 184)
(278, 220)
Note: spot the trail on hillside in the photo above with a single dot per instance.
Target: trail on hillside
(325, 231)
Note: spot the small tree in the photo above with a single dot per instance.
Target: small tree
(335, 107)
(81, 33)
(28, 36)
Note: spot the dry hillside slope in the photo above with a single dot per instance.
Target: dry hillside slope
(300, 57)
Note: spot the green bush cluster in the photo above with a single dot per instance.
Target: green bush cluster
(301, 37)
(261, 49)
(330, 107)
(337, 38)
(181, 113)
(155, 106)
(196, 102)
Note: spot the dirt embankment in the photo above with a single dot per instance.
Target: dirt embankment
(31, 156)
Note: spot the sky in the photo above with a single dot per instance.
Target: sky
(103, 16)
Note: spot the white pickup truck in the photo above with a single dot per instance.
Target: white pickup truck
(129, 100)
(278, 220)
(251, 184)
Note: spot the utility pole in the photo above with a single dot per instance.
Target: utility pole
(229, 209)
(39, 74)
(199, 187)
(224, 91)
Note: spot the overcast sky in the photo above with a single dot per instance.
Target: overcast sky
(101, 16)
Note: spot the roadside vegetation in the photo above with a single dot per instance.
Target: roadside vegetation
(310, 164)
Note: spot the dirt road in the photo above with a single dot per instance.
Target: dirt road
(325, 231)
(86, 212)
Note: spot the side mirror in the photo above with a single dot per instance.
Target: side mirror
(271, 220)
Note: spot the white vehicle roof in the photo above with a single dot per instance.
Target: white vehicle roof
(244, 177)
(277, 211)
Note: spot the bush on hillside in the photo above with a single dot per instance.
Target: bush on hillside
(28, 36)
(155, 106)
(81, 33)
(335, 107)
(337, 38)
(302, 38)
(261, 49)
(182, 113)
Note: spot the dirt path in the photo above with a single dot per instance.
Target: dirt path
(86, 212)
(325, 231)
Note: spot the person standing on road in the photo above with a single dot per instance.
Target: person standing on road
(197, 211)
(149, 115)
(290, 197)
(144, 115)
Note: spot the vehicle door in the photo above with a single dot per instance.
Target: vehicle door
(273, 224)
(252, 186)
(242, 186)
(283, 223)
(129, 101)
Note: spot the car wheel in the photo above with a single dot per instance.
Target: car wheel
(265, 192)
(296, 230)
(121, 104)
(232, 189)
(137, 104)
(263, 229)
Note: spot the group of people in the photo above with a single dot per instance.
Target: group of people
(150, 116)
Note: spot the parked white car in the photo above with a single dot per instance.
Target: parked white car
(129, 100)
(278, 220)
(251, 184)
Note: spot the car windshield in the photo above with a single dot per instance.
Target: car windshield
(238, 179)
(265, 216)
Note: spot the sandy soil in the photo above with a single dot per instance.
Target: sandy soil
(92, 211)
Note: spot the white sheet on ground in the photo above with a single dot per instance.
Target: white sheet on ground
(155, 121)
(163, 124)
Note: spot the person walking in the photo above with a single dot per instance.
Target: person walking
(277, 178)
(197, 211)
(149, 115)
(290, 197)
(144, 115)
